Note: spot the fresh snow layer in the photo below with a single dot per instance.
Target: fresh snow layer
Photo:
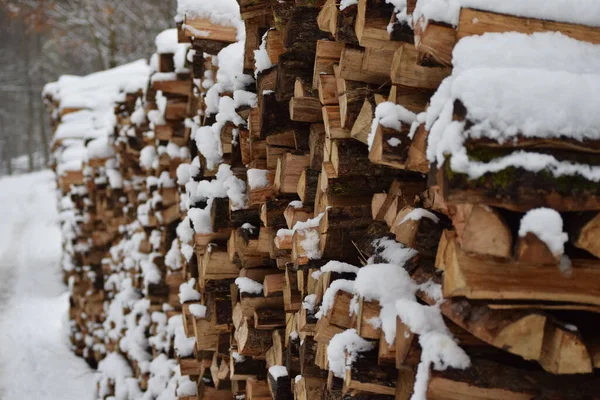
(86, 124)
(100, 89)
(551, 51)
(297, 204)
(347, 342)
(338, 266)
(258, 178)
(394, 289)
(547, 225)
(310, 302)
(163, 76)
(187, 291)
(262, 61)
(584, 12)
(237, 357)
(385, 283)
(418, 213)
(249, 227)
(278, 371)
(244, 98)
(35, 359)
(247, 285)
(390, 115)
(393, 252)
(329, 296)
(198, 310)
(347, 3)
(184, 345)
(311, 244)
(503, 102)
(100, 148)
(166, 41)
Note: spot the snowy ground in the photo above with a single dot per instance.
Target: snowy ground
(35, 361)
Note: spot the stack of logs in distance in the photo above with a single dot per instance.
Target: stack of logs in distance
(335, 188)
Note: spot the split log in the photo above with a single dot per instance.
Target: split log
(328, 53)
(345, 25)
(251, 341)
(324, 331)
(316, 145)
(352, 158)
(292, 301)
(302, 31)
(529, 334)
(406, 71)
(369, 65)
(327, 89)
(584, 229)
(390, 147)
(351, 98)
(307, 186)
(300, 214)
(215, 32)
(475, 22)
(436, 40)
(519, 190)
(244, 309)
(273, 284)
(410, 98)
(269, 318)
(417, 159)
(307, 388)
(305, 109)
(292, 65)
(274, 115)
(216, 264)
(176, 110)
(368, 310)
(490, 380)
(385, 206)
(242, 368)
(333, 123)
(178, 87)
(486, 279)
(339, 313)
(280, 387)
(530, 249)
(289, 169)
(362, 377)
(271, 214)
(371, 25)
(420, 233)
(254, 32)
(482, 230)
(362, 125)
(274, 45)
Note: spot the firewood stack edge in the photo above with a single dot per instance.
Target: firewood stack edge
(370, 200)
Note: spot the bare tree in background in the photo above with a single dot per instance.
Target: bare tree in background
(43, 39)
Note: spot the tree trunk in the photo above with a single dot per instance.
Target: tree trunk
(41, 114)
(6, 147)
(43, 137)
(30, 107)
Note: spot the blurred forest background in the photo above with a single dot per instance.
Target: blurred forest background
(42, 39)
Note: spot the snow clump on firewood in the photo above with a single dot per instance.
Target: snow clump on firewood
(547, 225)
(247, 285)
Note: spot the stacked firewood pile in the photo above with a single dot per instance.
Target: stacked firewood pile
(322, 200)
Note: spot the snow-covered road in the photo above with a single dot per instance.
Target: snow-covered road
(35, 360)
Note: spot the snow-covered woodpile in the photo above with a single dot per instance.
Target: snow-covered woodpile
(321, 200)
